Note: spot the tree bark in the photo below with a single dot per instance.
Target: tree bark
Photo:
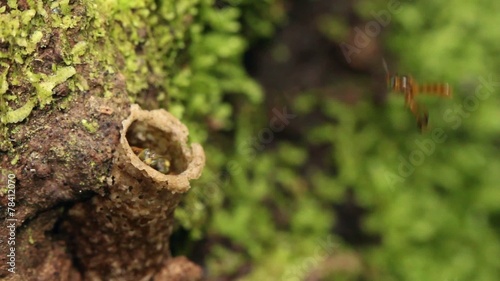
(71, 189)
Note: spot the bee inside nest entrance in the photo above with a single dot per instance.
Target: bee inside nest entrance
(156, 148)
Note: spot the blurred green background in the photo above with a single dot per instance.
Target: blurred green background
(348, 189)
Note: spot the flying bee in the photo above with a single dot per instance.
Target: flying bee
(407, 86)
(152, 159)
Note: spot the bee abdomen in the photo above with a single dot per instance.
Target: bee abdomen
(442, 89)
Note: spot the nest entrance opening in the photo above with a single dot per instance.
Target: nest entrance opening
(157, 148)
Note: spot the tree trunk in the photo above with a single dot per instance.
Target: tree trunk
(77, 202)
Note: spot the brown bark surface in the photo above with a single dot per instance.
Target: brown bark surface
(65, 88)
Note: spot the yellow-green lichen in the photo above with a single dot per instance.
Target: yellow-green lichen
(44, 89)
(91, 127)
(78, 51)
(102, 179)
(30, 236)
(4, 85)
(14, 161)
(35, 38)
(39, 8)
(81, 83)
(18, 115)
(103, 40)
(27, 16)
(12, 4)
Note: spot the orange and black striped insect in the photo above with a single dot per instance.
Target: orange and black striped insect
(406, 85)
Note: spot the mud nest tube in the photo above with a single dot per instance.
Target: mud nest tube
(162, 133)
(123, 234)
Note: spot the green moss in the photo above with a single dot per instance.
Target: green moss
(18, 115)
(79, 50)
(433, 224)
(90, 37)
(25, 30)
(46, 85)
(30, 236)
(14, 160)
(4, 85)
(91, 127)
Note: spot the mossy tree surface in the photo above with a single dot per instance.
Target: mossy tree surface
(68, 73)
